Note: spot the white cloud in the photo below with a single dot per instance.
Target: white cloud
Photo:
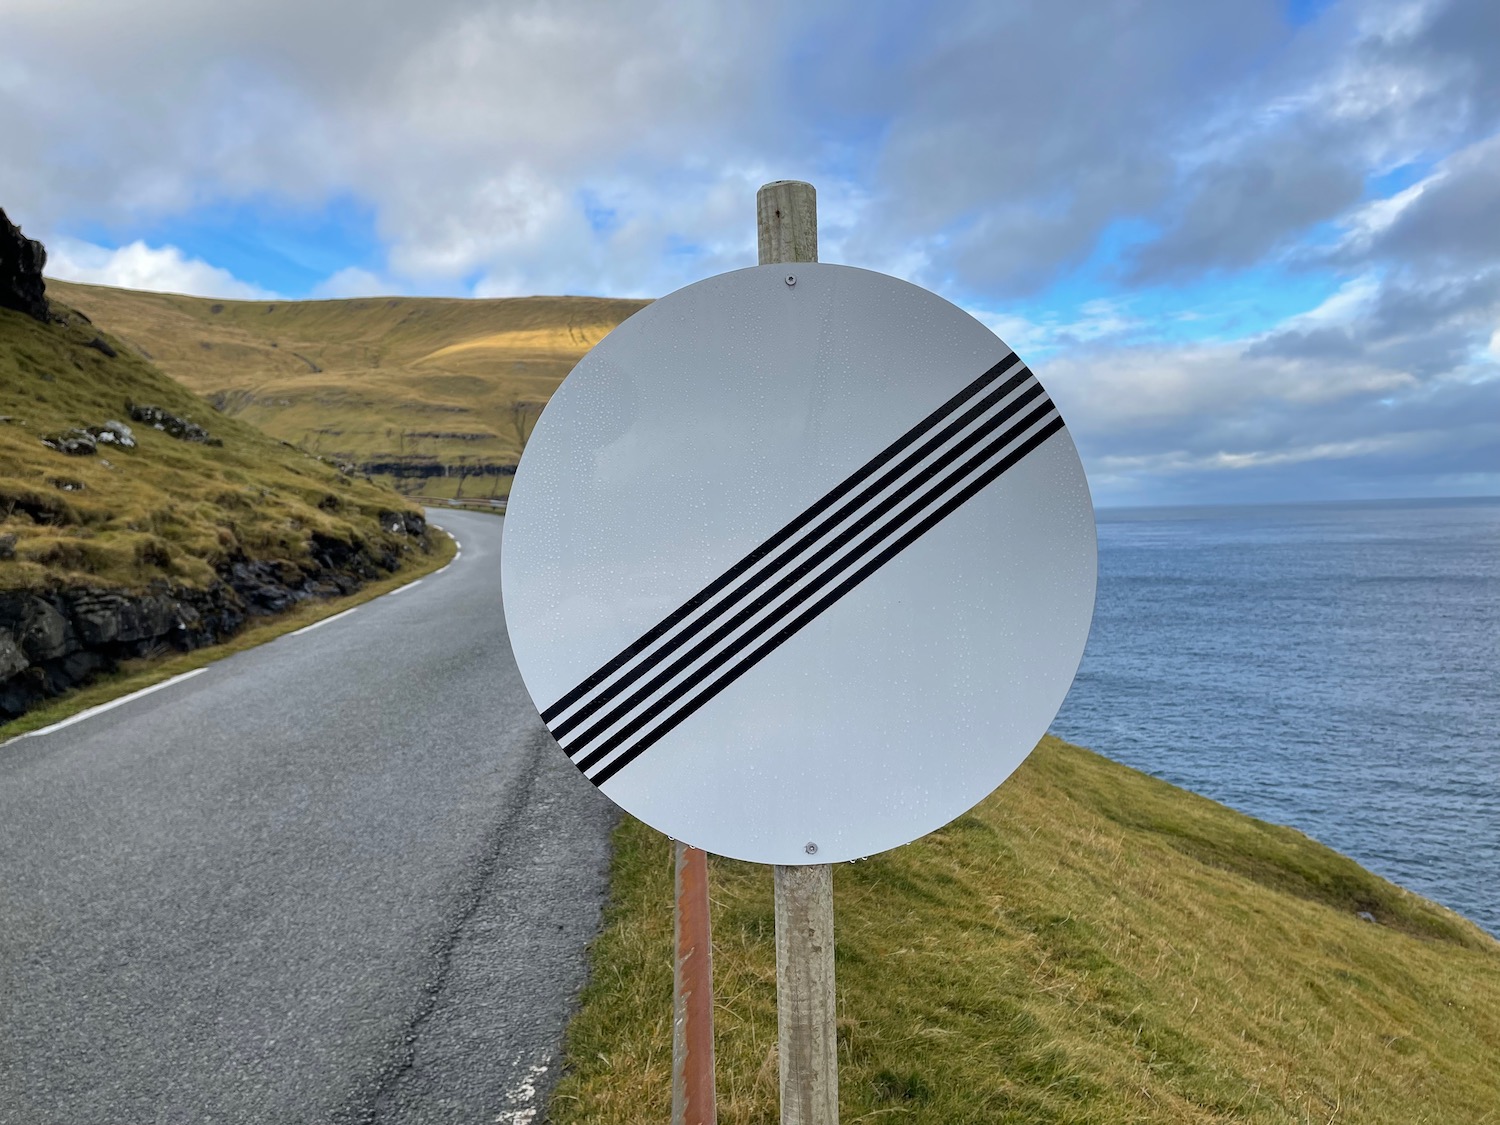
(1142, 387)
(1182, 461)
(352, 282)
(1348, 302)
(1364, 223)
(1025, 337)
(1097, 320)
(163, 269)
(475, 129)
(556, 146)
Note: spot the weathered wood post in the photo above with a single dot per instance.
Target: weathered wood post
(807, 1046)
(786, 222)
(693, 1098)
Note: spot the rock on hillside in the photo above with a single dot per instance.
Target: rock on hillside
(58, 639)
(21, 262)
(123, 539)
(437, 395)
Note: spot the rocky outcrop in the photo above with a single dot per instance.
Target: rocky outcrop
(21, 262)
(170, 424)
(415, 468)
(83, 441)
(50, 642)
(403, 523)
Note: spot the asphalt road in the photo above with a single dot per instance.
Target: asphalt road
(343, 877)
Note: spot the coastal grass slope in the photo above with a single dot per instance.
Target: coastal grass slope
(436, 395)
(1088, 946)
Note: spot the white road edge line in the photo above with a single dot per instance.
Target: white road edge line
(320, 624)
(78, 718)
(92, 711)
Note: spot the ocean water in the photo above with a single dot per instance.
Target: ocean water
(1334, 667)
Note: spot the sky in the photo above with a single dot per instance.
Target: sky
(1252, 247)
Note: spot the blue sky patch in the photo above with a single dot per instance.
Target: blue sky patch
(278, 247)
(1302, 12)
(1398, 179)
(601, 219)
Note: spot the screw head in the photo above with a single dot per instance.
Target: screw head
(810, 848)
(791, 279)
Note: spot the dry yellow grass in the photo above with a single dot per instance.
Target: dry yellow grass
(1088, 946)
(559, 341)
(167, 510)
(396, 383)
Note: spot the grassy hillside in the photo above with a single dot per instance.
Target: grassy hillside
(436, 395)
(1089, 945)
(168, 509)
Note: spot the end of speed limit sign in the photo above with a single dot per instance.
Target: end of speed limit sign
(799, 563)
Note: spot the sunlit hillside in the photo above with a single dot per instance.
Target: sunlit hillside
(135, 520)
(158, 505)
(437, 395)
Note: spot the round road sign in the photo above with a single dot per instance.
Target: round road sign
(799, 563)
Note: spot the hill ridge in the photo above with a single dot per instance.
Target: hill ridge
(134, 519)
(436, 394)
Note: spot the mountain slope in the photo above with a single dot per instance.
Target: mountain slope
(134, 517)
(435, 394)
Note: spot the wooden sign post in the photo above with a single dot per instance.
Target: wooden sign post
(807, 1048)
(786, 231)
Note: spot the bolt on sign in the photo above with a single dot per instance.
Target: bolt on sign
(799, 563)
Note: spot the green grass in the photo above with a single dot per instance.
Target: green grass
(454, 382)
(169, 510)
(460, 487)
(1088, 945)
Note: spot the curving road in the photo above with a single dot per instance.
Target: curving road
(343, 877)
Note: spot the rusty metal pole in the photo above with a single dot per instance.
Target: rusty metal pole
(693, 1101)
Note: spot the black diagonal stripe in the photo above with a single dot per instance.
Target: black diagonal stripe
(861, 551)
(777, 567)
(818, 608)
(789, 578)
(789, 630)
(829, 499)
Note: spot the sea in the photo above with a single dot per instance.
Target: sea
(1333, 667)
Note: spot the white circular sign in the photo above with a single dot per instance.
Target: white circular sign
(799, 563)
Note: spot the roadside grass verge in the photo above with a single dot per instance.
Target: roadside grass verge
(1089, 945)
(133, 675)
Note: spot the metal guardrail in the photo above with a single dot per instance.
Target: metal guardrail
(461, 502)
